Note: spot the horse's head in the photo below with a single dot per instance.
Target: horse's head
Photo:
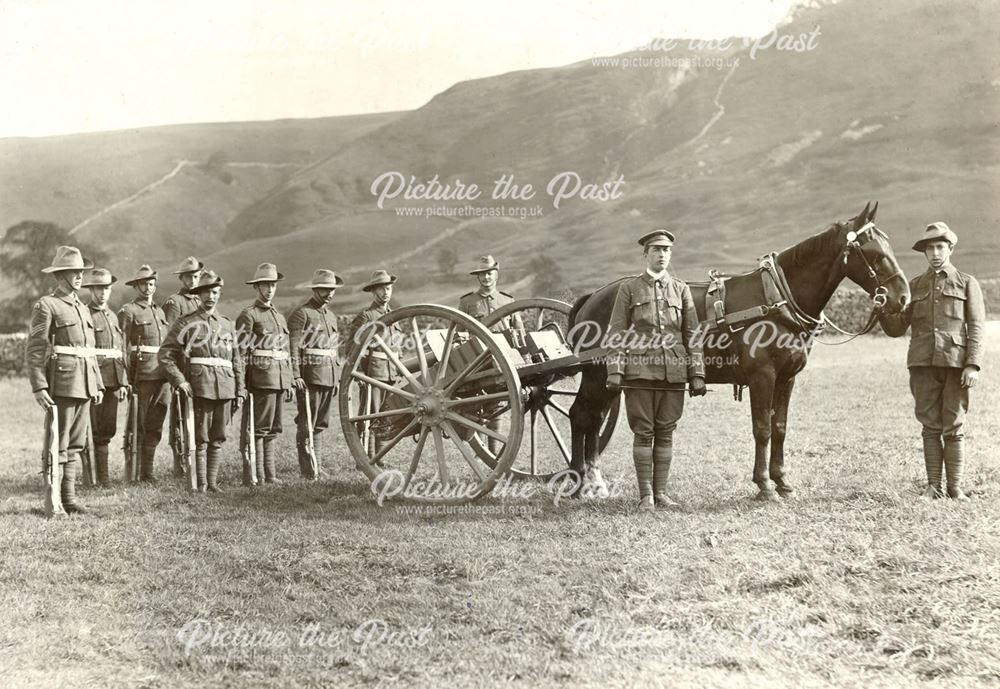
(869, 261)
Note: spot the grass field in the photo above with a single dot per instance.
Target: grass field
(856, 583)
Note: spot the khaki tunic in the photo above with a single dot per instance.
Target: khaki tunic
(180, 304)
(262, 328)
(108, 335)
(204, 335)
(62, 320)
(479, 306)
(312, 327)
(143, 324)
(376, 364)
(658, 323)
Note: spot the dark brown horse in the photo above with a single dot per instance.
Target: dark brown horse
(770, 350)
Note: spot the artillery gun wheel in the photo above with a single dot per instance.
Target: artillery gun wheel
(411, 435)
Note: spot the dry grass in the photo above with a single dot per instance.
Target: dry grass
(857, 583)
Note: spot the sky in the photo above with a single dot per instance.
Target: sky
(70, 66)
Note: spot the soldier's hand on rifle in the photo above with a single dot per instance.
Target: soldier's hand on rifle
(185, 387)
(98, 398)
(122, 393)
(290, 394)
(614, 383)
(43, 399)
(300, 384)
(698, 386)
(237, 403)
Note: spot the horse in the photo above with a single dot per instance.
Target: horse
(806, 276)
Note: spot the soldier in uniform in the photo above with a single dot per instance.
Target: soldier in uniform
(484, 301)
(654, 369)
(946, 313)
(202, 359)
(111, 359)
(267, 363)
(144, 326)
(181, 304)
(62, 366)
(314, 341)
(376, 364)
(487, 299)
(184, 301)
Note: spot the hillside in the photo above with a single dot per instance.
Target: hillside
(741, 151)
(901, 108)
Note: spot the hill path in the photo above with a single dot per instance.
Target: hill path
(162, 180)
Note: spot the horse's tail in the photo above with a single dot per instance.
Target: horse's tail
(574, 312)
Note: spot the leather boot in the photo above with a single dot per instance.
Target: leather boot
(954, 450)
(270, 471)
(146, 456)
(642, 456)
(68, 489)
(933, 458)
(663, 455)
(212, 464)
(200, 458)
(101, 460)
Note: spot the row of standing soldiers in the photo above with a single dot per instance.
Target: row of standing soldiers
(84, 360)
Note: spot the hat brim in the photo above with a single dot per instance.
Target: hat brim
(372, 285)
(100, 284)
(87, 265)
(921, 244)
(135, 280)
(201, 266)
(281, 276)
(477, 271)
(201, 288)
(327, 285)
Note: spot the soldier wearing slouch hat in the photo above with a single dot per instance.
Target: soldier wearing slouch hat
(314, 341)
(62, 365)
(267, 365)
(202, 358)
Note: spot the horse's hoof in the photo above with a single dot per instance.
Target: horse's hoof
(767, 496)
(594, 487)
(787, 492)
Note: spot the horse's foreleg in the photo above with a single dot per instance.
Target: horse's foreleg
(761, 397)
(782, 394)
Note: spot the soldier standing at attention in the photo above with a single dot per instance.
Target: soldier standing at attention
(267, 363)
(111, 359)
(181, 304)
(202, 359)
(184, 301)
(62, 366)
(665, 355)
(482, 303)
(144, 326)
(487, 299)
(377, 365)
(945, 354)
(314, 341)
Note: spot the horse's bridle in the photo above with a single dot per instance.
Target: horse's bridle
(881, 295)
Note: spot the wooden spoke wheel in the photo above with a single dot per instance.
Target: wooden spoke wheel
(547, 399)
(417, 385)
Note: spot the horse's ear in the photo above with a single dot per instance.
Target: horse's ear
(862, 217)
(871, 216)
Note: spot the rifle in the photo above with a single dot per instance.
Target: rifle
(177, 439)
(310, 443)
(50, 463)
(87, 458)
(186, 413)
(250, 445)
(131, 439)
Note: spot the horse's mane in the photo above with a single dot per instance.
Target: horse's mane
(823, 243)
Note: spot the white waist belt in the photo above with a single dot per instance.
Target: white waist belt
(271, 353)
(145, 349)
(81, 352)
(321, 352)
(109, 353)
(211, 361)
